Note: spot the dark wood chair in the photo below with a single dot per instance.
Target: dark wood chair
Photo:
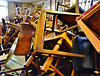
(89, 23)
(89, 64)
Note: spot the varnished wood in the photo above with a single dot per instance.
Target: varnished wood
(64, 36)
(33, 15)
(33, 23)
(50, 58)
(24, 39)
(47, 63)
(27, 63)
(89, 14)
(39, 38)
(41, 66)
(0, 40)
(69, 42)
(14, 25)
(34, 63)
(72, 27)
(60, 53)
(93, 39)
(60, 13)
(25, 17)
(39, 41)
(92, 20)
(13, 35)
(73, 73)
(51, 4)
(48, 29)
(55, 69)
(38, 65)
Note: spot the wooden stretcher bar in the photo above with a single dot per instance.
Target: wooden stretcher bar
(14, 25)
(60, 13)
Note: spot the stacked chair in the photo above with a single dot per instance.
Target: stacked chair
(50, 49)
(88, 46)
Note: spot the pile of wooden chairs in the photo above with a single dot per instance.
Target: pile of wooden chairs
(50, 44)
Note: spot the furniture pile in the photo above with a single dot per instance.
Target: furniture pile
(51, 43)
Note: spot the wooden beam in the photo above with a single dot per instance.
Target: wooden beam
(51, 4)
(93, 39)
(60, 13)
(56, 70)
(39, 38)
(60, 53)
(14, 25)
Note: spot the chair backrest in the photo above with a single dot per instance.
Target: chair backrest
(4, 26)
(89, 64)
(24, 39)
(81, 45)
(13, 61)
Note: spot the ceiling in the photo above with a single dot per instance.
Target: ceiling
(30, 1)
(26, 1)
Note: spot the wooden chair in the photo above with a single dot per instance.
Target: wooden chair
(90, 28)
(88, 24)
(60, 14)
(15, 28)
(38, 46)
(11, 32)
(16, 61)
(76, 8)
(39, 41)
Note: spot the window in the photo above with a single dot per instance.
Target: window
(3, 9)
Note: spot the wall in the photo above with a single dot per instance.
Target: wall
(29, 5)
(11, 9)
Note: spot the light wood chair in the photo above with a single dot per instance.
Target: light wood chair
(39, 42)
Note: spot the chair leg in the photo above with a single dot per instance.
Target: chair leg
(27, 67)
(73, 73)
(38, 65)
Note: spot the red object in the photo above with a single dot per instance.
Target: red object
(87, 11)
